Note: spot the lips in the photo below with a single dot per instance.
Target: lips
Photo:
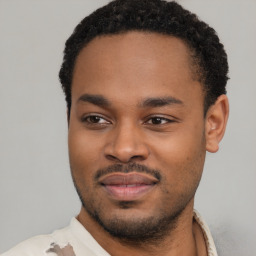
(128, 187)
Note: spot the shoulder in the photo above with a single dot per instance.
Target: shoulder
(41, 245)
(70, 241)
(37, 245)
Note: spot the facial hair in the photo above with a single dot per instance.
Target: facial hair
(150, 229)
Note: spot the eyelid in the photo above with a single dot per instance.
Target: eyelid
(169, 119)
(86, 116)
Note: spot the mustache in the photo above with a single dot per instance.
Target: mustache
(127, 168)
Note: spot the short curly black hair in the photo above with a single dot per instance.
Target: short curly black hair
(159, 16)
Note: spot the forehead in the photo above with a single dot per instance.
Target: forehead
(134, 64)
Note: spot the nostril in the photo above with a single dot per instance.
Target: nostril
(138, 157)
(112, 158)
(125, 160)
(123, 148)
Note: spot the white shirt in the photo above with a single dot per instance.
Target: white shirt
(75, 240)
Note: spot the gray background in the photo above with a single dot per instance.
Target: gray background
(36, 191)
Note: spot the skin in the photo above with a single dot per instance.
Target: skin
(127, 70)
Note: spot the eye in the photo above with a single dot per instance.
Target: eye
(94, 119)
(158, 120)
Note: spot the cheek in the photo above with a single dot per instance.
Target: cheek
(181, 154)
(83, 157)
(83, 148)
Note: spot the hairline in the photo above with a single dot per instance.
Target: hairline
(193, 60)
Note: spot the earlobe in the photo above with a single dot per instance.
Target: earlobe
(216, 122)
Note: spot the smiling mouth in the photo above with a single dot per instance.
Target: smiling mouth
(127, 187)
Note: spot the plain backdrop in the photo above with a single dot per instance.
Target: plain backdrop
(36, 190)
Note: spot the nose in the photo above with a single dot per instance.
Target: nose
(126, 144)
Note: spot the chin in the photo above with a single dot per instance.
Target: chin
(133, 225)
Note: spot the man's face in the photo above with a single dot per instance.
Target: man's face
(136, 131)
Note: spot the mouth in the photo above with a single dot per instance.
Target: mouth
(127, 187)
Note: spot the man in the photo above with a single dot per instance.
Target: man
(145, 89)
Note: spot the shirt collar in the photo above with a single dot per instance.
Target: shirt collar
(83, 235)
(211, 249)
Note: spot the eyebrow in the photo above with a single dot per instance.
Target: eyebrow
(94, 99)
(160, 102)
(155, 102)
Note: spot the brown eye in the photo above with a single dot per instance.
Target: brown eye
(158, 120)
(93, 119)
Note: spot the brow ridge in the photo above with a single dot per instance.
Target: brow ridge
(95, 99)
(160, 102)
(101, 101)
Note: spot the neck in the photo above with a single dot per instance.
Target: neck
(185, 239)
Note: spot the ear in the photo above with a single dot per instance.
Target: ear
(215, 124)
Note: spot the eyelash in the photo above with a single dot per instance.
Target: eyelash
(87, 120)
(161, 119)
